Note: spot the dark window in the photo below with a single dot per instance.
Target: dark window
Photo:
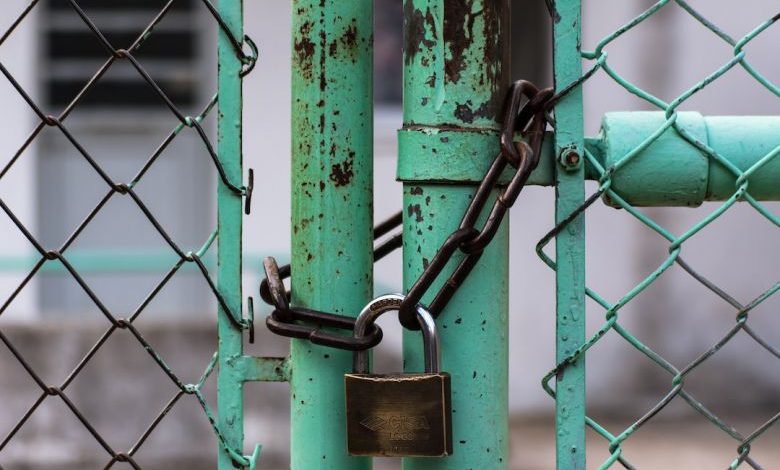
(74, 53)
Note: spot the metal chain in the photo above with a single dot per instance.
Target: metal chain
(524, 157)
(530, 120)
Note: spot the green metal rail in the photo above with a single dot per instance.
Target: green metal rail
(332, 161)
(570, 244)
(230, 394)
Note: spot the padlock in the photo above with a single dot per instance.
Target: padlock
(398, 415)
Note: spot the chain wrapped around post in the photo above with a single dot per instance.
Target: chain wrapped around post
(525, 112)
(304, 323)
(530, 120)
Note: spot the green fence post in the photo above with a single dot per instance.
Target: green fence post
(570, 243)
(332, 263)
(230, 397)
(456, 75)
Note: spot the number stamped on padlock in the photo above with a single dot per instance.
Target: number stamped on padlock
(398, 414)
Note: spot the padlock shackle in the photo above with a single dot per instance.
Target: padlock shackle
(392, 302)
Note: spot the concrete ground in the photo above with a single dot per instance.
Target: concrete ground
(122, 391)
(689, 444)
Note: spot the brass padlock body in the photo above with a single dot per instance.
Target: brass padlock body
(398, 415)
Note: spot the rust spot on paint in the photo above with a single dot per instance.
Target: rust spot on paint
(458, 35)
(462, 24)
(341, 173)
(304, 50)
(323, 80)
(431, 81)
(349, 38)
(414, 210)
(414, 37)
(346, 44)
(465, 113)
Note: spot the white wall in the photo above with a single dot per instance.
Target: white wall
(17, 187)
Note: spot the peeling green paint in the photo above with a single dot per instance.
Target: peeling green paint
(454, 84)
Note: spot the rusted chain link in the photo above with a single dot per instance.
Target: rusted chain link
(304, 323)
(530, 120)
(525, 112)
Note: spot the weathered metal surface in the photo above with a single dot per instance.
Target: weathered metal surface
(669, 172)
(261, 369)
(456, 77)
(458, 155)
(570, 243)
(230, 399)
(332, 212)
(461, 62)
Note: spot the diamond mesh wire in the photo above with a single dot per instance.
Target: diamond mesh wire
(598, 62)
(114, 54)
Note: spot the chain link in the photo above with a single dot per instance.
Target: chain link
(304, 323)
(524, 111)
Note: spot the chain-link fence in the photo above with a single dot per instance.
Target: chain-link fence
(598, 63)
(243, 49)
(113, 53)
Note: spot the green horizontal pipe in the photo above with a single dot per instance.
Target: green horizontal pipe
(672, 171)
(685, 171)
(260, 369)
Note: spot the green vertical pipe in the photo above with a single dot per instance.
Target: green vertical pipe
(230, 399)
(570, 243)
(332, 145)
(455, 79)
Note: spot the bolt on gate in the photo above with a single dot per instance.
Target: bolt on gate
(455, 123)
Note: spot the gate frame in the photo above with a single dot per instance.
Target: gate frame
(570, 243)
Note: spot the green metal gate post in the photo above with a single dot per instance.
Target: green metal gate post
(456, 75)
(332, 263)
(230, 399)
(570, 243)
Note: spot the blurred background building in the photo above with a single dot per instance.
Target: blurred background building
(51, 189)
